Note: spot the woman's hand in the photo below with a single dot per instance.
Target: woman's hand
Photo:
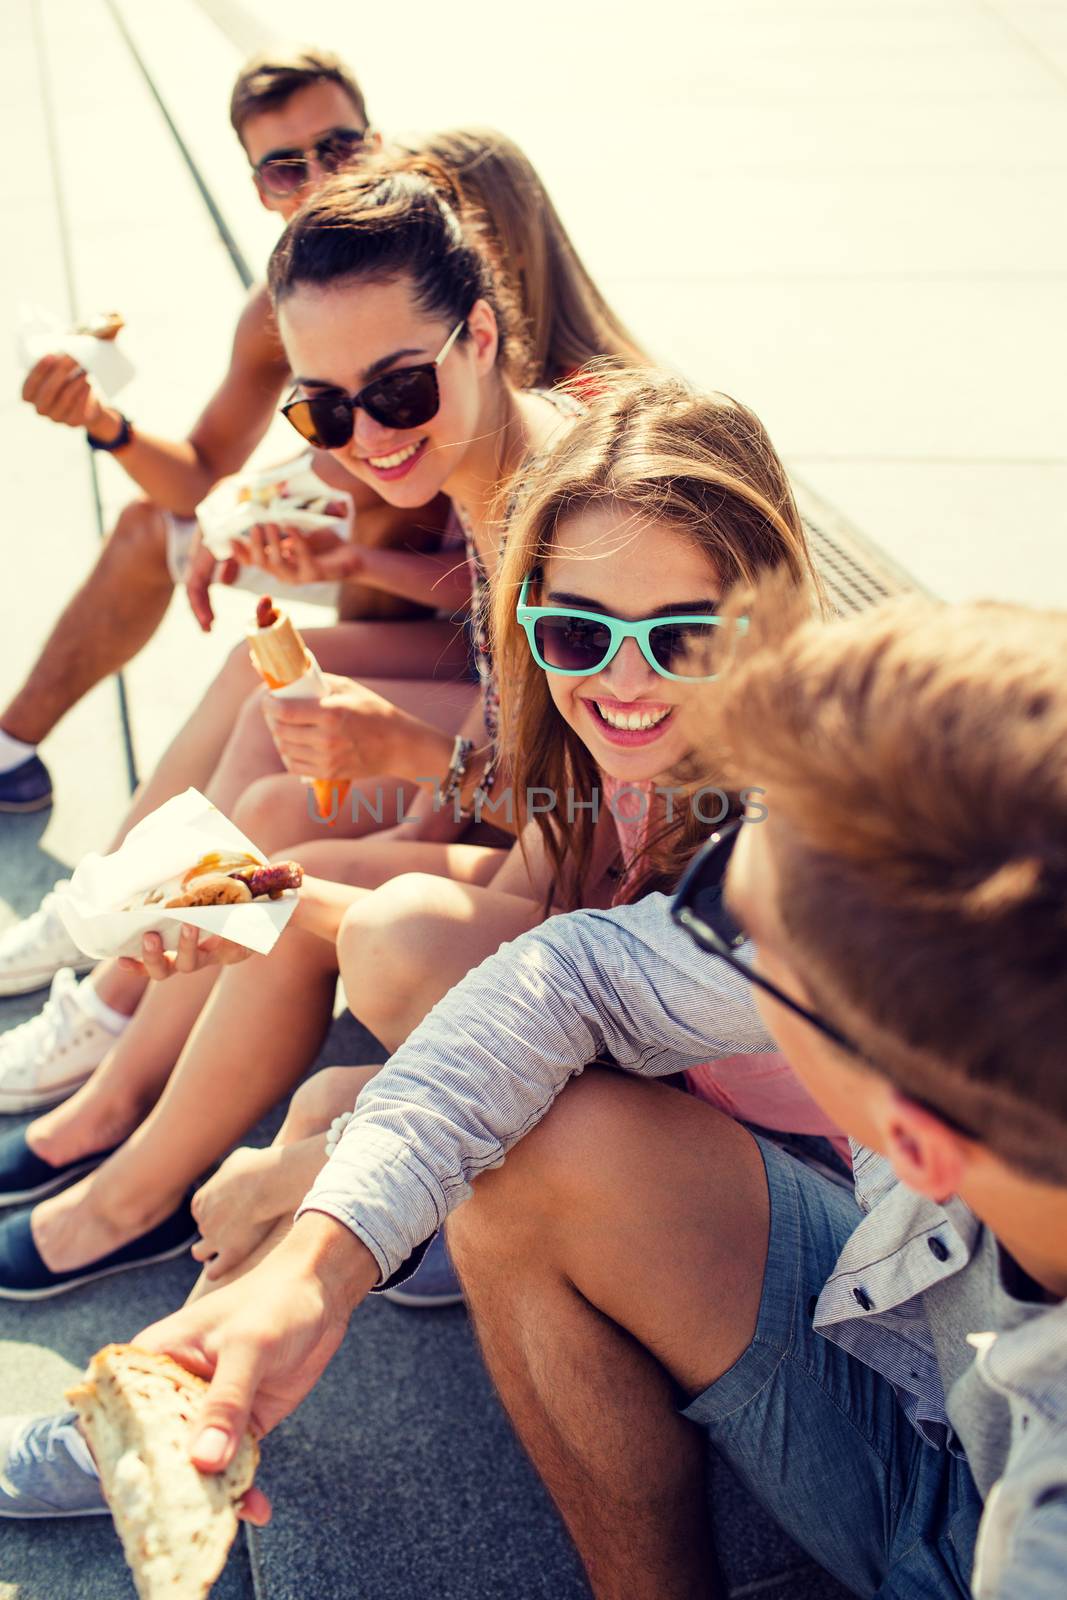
(293, 556)
(236, 1209)
(196, 949)
(352, 732)
(264, 1341)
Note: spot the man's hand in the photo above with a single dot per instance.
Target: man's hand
(352, 732)
(200, 574)
(292, 556)
(196, 949)
(264, 1341)
(58, 388)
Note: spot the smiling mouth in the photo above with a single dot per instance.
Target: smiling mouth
(397, 459)
(634, 721)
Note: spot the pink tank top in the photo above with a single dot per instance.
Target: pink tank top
(756, 1088)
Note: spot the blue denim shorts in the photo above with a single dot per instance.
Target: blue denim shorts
(820, 1439)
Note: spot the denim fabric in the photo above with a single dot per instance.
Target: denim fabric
(821, 1439)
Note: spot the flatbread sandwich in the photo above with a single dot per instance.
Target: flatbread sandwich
(137, 1411)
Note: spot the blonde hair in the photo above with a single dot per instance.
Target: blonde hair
(659, 450)
(915, 766)
(568, 323)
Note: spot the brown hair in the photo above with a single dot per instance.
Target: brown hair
(915, 766)
(660, 450)
(386, 220)
(567, 321)
(269, 79)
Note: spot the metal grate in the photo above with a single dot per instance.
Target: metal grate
(855, 572)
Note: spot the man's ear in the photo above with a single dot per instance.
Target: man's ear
(925, 1154)
(484, 335)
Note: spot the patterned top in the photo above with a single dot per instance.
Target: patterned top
(481, 638)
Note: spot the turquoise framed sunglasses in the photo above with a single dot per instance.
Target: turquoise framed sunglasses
(580, 643)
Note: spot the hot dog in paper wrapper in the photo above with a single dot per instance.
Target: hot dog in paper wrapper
(291, 672)
(185, 862)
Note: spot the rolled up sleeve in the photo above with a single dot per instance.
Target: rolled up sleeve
(489, 1060)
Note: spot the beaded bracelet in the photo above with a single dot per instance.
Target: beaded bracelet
(336, 1129)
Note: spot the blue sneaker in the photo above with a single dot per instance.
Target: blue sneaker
(46, 1469)
(24, 1275)
(27, 787)
(433, 1283)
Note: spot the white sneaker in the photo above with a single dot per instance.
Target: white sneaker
(44, 1060)
(32, 952)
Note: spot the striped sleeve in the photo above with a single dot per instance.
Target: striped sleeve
(489, 1060)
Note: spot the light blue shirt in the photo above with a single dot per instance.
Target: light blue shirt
(489, 1060)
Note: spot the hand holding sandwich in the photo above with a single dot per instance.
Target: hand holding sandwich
(195, 951)
(264, 1341)
(293, 555)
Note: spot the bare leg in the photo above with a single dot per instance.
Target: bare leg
(129, 1080)
(402, 949)
(396, 650)
(116, 611)
(241, 1056)
(615, 1258)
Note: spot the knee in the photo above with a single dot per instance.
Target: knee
(383, 955)
(139, 538)
(320, 1098)
(238, 678)
(567, 1168)
(256, 811)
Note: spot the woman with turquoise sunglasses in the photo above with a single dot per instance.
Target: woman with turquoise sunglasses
(620, 550)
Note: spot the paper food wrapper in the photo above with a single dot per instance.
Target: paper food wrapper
(292, 495)
(329, 795)
(38, 333)
(161, 846)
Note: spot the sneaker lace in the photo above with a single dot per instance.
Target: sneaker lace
(45, 1035)
(43, 926)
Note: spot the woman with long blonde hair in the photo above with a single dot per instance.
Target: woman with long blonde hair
(622, 547)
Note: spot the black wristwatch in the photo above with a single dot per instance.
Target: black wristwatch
(125, 434)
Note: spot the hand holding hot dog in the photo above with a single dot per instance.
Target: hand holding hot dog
(353, 732)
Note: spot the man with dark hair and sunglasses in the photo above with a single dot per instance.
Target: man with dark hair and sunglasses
(885, 1369)
(299, 116)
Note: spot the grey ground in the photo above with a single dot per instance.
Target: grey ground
(400, 1477)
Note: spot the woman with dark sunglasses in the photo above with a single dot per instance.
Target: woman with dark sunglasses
(389, 310)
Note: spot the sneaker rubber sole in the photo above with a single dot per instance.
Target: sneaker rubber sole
(41, 1516)
(13, 1105)
(63, 1177)
(95, 1275)
(17, 808)
(30, 982)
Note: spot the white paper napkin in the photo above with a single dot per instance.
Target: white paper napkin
(163, 845)
(224, 515)
(38, 333)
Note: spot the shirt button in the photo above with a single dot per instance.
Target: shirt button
(863, 1299)
(938, 1248)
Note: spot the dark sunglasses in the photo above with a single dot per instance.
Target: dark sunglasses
(577, 644)
(284, 172)
(698, 908)
(405, 398)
